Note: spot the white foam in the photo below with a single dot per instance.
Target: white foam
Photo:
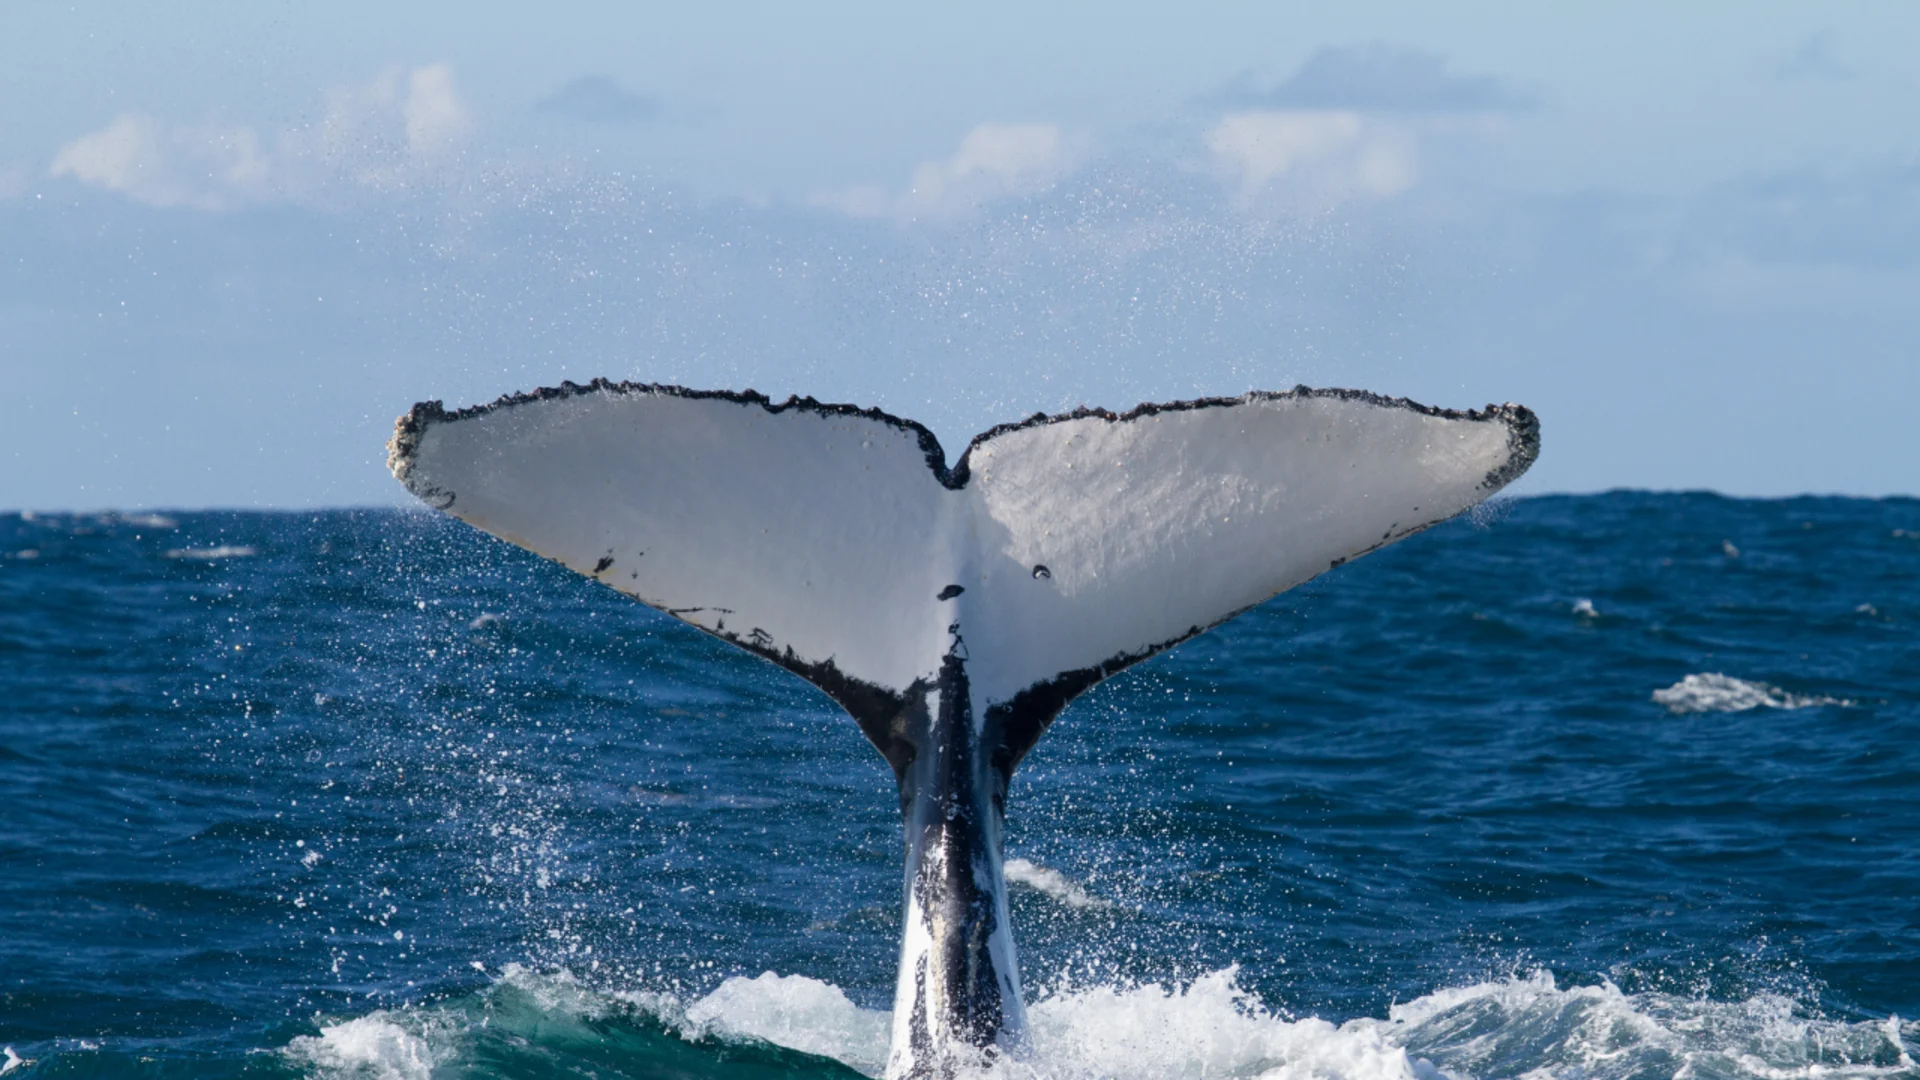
(222, 551)
(1530, 1026)
(375, 1046)
(796, 1012)
(1053, 883)
(12, 1062)
(1714, 692)
(1584, 607)
(1211, 1028)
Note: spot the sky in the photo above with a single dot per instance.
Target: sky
(238, 239)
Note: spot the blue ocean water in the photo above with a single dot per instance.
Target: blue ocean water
(1624, 785)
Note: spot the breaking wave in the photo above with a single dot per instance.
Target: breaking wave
(1210, 1027)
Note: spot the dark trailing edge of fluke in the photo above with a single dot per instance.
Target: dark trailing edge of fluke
(1523, 428)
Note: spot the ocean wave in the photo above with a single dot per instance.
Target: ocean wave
(1714, 692)
(1210, 1027)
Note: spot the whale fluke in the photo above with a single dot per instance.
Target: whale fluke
(953, 611)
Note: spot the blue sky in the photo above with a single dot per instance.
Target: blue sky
(236, 242)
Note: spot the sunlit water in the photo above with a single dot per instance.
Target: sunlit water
(1608, 786)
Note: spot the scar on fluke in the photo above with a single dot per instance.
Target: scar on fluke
(950, 592)
(601, 566)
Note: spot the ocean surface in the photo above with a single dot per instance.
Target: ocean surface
(1624, 785)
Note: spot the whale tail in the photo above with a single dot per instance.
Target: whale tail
(953, 611)
(838, 543)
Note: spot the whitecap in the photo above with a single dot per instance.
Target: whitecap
(1714, 692)
(1053, 883)
(1531, 1026)
(1208, 1028)
(1584, 607)
(375, 1046)
(222, 551)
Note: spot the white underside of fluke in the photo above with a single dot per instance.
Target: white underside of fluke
(831, 534)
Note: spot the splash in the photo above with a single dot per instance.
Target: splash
(1053, 883)
(796, 1012)
(378, 1046)
(1210, 1027)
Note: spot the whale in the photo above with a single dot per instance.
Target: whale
(953, 610)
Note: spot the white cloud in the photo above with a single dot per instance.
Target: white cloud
(201, 167)
(1314, 158)
(397, 132)
(994, 161)
(437, 120)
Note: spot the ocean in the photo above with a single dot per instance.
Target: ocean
(1606, 786)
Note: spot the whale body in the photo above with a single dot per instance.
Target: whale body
(953, 611)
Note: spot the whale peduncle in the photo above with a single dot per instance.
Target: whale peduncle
(958, 1000)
